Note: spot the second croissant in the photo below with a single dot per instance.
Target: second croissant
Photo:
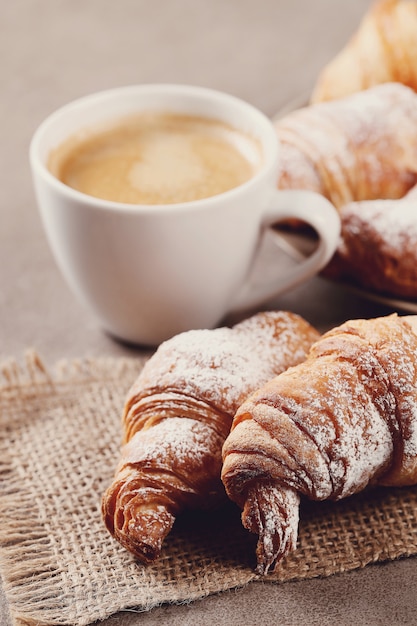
(327, 428)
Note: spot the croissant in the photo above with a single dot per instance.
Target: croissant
(327, 428)
(177, 416)
(383, 49)
(378, 246)
(362, 147)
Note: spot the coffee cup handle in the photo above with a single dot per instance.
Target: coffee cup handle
(315, 210)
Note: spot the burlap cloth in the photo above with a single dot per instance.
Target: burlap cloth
(59, 442)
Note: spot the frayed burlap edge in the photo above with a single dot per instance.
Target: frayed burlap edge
(334, 538)
(26, 561)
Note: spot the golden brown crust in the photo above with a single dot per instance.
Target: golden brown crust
(378, 247)
(178, 414)
(383, 49)
(326, 428)
(361, 147)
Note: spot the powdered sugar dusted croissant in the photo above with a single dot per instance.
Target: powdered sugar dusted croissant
(378, 246)
(383, 49)
(361, 147)
(178, 414)
(343, 419)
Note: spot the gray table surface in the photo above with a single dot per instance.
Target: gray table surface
(265, 51)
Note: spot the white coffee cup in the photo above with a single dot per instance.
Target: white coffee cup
(151, 271)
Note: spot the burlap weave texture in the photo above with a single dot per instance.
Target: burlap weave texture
(59, 444)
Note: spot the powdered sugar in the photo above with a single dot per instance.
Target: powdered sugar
(393, 224)
(176, 444)
(273, 513)
(221, 367)
(352, 403)
(361, 147)
(364, 443)
(410, 445)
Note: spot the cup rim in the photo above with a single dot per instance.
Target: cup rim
(39, 167)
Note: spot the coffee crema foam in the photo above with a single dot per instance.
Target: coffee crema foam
(157, 158)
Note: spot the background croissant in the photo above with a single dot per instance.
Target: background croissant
(327, 428)
(361, 147)
(178, 414)
(383, 49)
(378, 246)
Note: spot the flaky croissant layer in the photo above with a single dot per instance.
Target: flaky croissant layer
(327, 428)
(177, 416)
(361, 147)
(383, 49)
(378, 246)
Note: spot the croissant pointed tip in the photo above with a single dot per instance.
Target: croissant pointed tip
(135, 520)
(272, 512)
(262, 569)
(147, 531)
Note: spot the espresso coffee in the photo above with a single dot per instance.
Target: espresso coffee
(157, 158)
